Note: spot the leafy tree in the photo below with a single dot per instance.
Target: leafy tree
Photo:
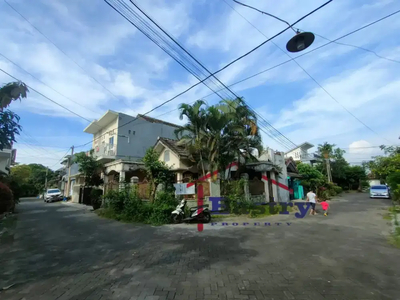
(355, 175)
(9, 126)
(90, 168)
(312, 178)
(12, 91)
(21, 173)
(393, 181)
(382, 166)
(158, 172)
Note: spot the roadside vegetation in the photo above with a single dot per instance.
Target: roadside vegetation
(10, 189)
(126, 205)
(386, 168)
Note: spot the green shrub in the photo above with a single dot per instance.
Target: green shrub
(115, 200)
(127, 206)
(168, 198)
(338, 190)
(6, 199)
(95, 198)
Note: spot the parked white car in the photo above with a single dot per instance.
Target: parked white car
(52, 195)
(379, 191)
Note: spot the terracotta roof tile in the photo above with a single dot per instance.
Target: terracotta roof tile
(153, 120)
(173, 145)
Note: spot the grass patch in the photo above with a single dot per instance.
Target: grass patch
(395, 238)
(394, 209)
(387, 217)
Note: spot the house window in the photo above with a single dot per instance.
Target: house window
(111, 141)
(133, 132)
(129, 131)
(166, 155)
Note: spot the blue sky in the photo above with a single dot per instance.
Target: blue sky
(140, 76)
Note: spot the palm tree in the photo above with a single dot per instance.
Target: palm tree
(192, 133)
(326, 149)
(220, 133)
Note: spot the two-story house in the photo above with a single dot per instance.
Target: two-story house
(7, 158)
(121, 140)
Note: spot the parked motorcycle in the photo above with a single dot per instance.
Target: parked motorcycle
(178, 215)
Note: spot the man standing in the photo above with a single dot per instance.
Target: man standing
(311, 197)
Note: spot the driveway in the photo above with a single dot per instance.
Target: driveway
(64, 252)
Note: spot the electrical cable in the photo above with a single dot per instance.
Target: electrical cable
(310, 51)
(223, 68)
(61, 158)
(153, 36)
(48, 39)
(31, 88)
(275, 66)
(305, 71)
(29, 136)
(15, 64)
(175, 42)
(234, 94)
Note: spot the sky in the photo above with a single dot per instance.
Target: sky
(90, 59)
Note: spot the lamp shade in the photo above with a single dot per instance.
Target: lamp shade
(300, 42)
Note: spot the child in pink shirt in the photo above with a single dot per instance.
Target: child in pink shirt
(325, 207)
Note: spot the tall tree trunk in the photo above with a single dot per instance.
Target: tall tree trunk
(202, 164)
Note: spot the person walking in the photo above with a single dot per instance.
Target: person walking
(311, 197)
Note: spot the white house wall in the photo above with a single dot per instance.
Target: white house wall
(104, 134)
(173, 161)
(4, 163)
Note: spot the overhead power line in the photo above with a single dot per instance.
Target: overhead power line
(193, 86)
(51, 100)
(15, 64)
(139, 26)
(268, 69)
(62, 51)
(211, 74)
(61, 158)
(304, 70)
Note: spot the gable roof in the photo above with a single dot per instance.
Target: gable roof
(153, 120)
(173, 146)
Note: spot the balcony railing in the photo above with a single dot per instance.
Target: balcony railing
(105, 150)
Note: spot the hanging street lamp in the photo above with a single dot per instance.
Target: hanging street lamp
(300, 41)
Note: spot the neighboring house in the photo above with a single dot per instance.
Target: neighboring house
(7, 159)
(265, 181)
(176, 157)
(120, 136)
(120, 141)
(299, 153)
(75, 178)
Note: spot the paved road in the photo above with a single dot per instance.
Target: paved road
(63, 252)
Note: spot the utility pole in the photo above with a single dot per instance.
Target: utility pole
(45, 181)
(69, 170)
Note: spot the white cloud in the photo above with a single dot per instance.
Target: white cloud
(142, 76)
